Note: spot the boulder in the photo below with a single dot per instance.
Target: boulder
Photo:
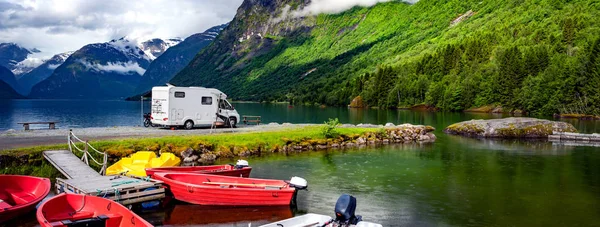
(191, 158)
(187, 153)
(514, 127)
(207, 158)
(389, 125)
(357, 103)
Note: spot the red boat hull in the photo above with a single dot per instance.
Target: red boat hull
(20, 194)
(205, 189)
(223, 170)
(64, 208)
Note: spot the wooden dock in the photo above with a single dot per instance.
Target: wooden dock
(575, 139)
(83, 179)
(560, 136)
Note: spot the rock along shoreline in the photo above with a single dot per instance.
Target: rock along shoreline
(513, 127)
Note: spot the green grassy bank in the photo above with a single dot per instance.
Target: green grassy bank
(209, 148)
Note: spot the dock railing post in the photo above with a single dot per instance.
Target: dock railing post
(69, 140)
(85, 153)
(104, 162)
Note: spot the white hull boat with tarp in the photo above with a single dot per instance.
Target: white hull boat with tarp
(315, 220)
(344, 217)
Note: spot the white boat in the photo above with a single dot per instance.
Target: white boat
(345, 217)
(314, 220)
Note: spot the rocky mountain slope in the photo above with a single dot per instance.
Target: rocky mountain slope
(97, 71)
(6, 89)
(539, 56)
(163, 68)
(40, 73)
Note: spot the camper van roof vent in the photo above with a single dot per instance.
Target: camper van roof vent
(170, 85)
(198, 87)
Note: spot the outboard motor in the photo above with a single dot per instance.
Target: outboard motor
(241, 164)
(344, 210)
(298, 183)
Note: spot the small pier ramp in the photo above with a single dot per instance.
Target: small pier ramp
(83, 179)
(70, 165)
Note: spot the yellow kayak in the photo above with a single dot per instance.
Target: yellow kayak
(136, 165)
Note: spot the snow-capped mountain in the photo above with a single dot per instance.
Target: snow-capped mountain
(96, 71)
(156, 47)
(11, 55)
(176, 58)
(40, 73)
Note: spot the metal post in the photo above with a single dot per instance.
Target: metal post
(142, 104)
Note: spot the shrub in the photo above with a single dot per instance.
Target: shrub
(329, 130)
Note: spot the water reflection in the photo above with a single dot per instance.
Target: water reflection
(524, 147)
(181, 214)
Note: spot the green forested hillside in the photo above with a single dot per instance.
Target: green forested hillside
(541, 56)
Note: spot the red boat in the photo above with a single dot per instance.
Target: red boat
(223, 170)
(85, 210)
(20, 194)
(205, 189)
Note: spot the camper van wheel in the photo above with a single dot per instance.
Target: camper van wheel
(189, 125)
(232, 122)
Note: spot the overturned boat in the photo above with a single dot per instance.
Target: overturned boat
(344, 217)
(136, 164)
(205, 189)
(240, 169)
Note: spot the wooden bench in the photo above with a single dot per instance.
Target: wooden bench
(251, 119)
(52, 124)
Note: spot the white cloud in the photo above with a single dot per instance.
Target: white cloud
(334, 6)
(117, 67)
(56, 26)
(31, 62)
(53, 66)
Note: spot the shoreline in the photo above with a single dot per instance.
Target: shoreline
(16, 139)
(199, 147)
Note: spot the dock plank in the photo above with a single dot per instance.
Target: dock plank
(69, 164)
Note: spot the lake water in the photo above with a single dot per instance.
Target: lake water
(453, 182)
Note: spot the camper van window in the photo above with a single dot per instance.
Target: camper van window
(206, 100)
(179, 94)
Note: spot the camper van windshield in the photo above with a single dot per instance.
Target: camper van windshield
(224, 104)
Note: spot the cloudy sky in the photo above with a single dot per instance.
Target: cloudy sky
(56, 26)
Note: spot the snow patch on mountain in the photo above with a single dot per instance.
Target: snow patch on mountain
(33, 62)
(156, 47)
(129, 48)
(117, 67)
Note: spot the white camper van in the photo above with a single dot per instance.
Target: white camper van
(191, 106)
